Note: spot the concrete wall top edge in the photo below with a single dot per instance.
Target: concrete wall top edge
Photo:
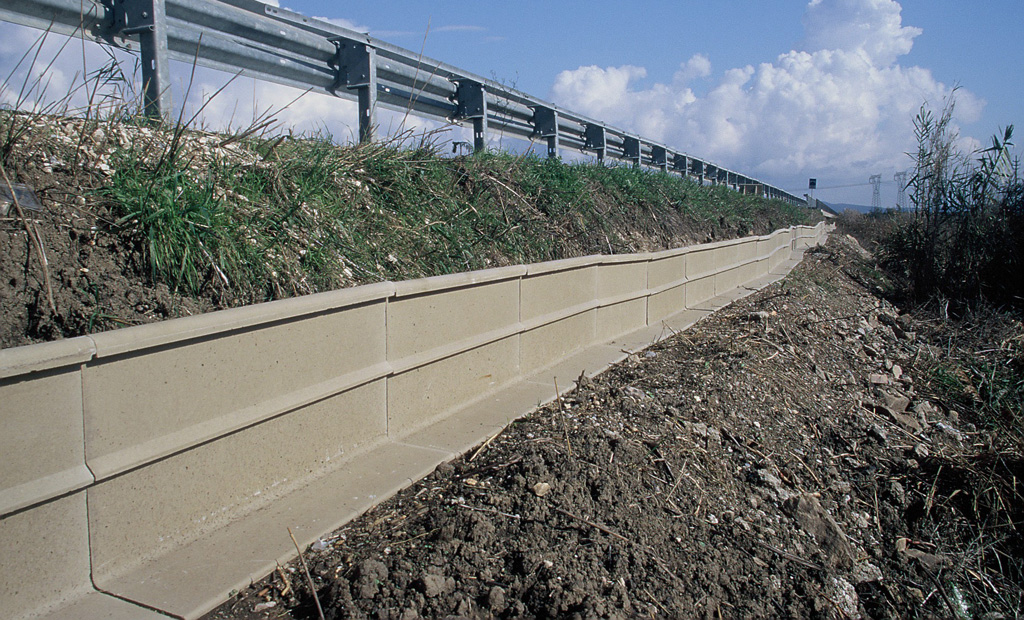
(563, 264)
(45, 356)
(140, 337)
(456, 280)
(616, 259)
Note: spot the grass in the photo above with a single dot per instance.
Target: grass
(277, 216)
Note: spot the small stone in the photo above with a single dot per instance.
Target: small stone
(898, 493)
(433, 585)
(930, 561)
(541, 489)
(813, 518)
(878, 379)
(949, 431)
(895, 402)
(906, 421)
(865, 572)
(897, 371)
(879, 433)
(844, 595)
(471, 482)
(921, 451)
(496, 599)
(264, 606)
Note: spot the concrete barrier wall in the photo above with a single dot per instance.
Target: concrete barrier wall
(120, 446)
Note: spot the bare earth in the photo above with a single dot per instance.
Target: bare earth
(786, 457)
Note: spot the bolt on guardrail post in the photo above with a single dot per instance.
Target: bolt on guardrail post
(355, 65)
(471, 102)
(545, 125)
(631, 150)
(148, 19)
(594, 140)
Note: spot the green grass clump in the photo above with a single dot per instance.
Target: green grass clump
(272, 217)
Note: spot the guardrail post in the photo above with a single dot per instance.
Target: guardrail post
(594, 140)
(545, 125)
(659, 158)
(631, 149)
(697, 167)
(679, 164)
(148, 19)
(472, 104)
(355, 64)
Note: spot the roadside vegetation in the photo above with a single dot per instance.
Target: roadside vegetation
(956, 264)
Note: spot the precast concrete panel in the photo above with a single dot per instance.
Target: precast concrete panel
(148, 511)
(666, 303)
(422, 318)
(45, 555)
(621, 279)
(143, 405)
(740, 251)
(701, 262)
(42, 444)
(547, 344)
(700, 290)
(727, 280)
(42, 450)
(621, 318)
(665, 270)
(550, 288)
(417, 396)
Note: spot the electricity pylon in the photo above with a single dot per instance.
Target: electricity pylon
(901, 190)
(876, 196)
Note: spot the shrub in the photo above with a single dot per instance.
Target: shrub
(963, 241)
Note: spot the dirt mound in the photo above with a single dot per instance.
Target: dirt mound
(777, 460)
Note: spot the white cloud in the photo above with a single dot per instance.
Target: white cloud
(873, 27)
(842, 106)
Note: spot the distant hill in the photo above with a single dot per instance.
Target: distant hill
(843, 206)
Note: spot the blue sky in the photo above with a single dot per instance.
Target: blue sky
(781, 90)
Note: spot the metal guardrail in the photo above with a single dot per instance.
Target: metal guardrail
(277, 45)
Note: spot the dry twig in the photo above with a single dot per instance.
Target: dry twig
(309, 578)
